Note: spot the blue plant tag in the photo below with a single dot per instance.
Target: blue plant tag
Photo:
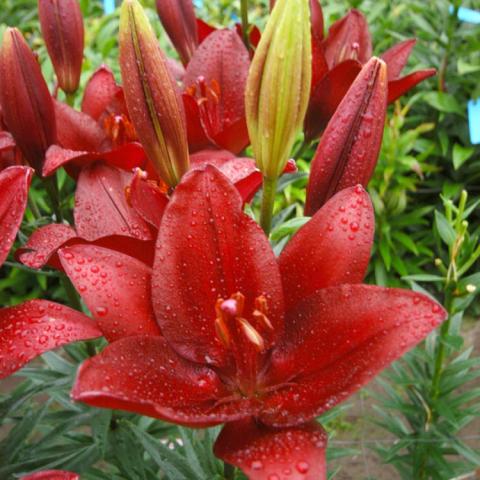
(109, 6)
(467, 15)
(474, 120)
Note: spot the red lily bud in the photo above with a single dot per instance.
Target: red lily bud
(27, 106)
(62, 29)
(348, 151)
(178, 19)
(151, 94)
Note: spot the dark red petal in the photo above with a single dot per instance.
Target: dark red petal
(34, 327)
(14, 185)
(176, 69)
(126, 157)
(197, 140)
(223, 61)
(348, 39)
(319, 62)
(209, 249)
(179, 21)
(399, 87)
(101, 206)
(349, 148)
(115, 288)
(338, 339)
(6, 142)
(242, 172)
(52, 475)
(265, 453)
(233, 137)
(147, 199)
(396, 57)
(144, 375)
(41, 248)
(316, 14)
(77, 130)
(204, 30)
(331, 249)
(99, 92)
(327, 95)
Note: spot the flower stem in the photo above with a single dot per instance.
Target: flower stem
(268, 201)
(228, 471)
(70, 99)
(245, 24)
(52, 191)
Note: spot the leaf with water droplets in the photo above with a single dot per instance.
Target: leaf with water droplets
(337, 340)
(331, 249)
(14, 185)
(115, 288)
(34, 327)
(263, 453)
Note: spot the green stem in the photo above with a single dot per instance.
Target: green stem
(228, 471)
(72, 294)
(34, 208)
(70, 99)
(268, 201)
(53, 194)
(245, 24)
(303, 148)
(442, 71)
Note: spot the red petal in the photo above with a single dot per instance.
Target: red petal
(147, 199)
(14, 185)
(6, 142)
(30, 329)
(209, 249)
(399, 87)
(263, 453)
(196, 136)
(223, 61)
(331, 249)
(126, 157)
(99, 92)
(349, 148)
(115, 288)
(396, 57)
(204, 30)
(348, 39)
(101, 207)
(338, 339)
(144, 375)
(316, 20)
(319, 62)
(77, 130)
(242, 172)
(327, 95)
(41, 248)
(52, 475)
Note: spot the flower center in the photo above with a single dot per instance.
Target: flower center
(119, 129)
(246, 340)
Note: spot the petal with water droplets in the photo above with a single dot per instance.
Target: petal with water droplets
(34, 327)
(209, 249)
(14, 185)
(101, 206)
(115, 288)
(144, 375)
(264, 453)
(337, 340)
(331, 249)
(52, 475)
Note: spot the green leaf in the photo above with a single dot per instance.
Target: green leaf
(461, 154)
(444, 228)
(444, 102)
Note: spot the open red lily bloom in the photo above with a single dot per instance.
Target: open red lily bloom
(338, 59)
(52, 475)
(262, 344)
(215, 81)
(101, 131)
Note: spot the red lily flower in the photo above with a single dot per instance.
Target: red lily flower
(244, 335)
(215, 81)
(338, 60)
(101, 131)
(52, 475)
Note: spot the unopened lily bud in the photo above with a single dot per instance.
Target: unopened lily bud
(27, 106)
(278, 85)
(62, 29)
(179, 21)
(152, 96)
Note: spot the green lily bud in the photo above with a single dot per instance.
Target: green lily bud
(152, 96)
(278, 86)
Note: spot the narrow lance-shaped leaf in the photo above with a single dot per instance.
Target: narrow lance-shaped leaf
(278, 85)
(348, 151)
(62, 29)
(27, 107)
(153, 100)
